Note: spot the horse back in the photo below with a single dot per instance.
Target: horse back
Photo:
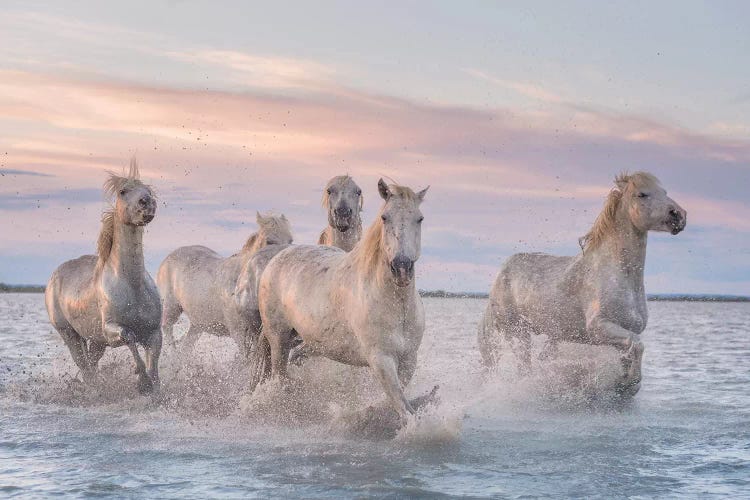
(189, 276)
(298, 288)
(540, 290)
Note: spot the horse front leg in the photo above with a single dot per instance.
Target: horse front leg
(115, 333)
(606, 332)
(386, 371)
(153, 351)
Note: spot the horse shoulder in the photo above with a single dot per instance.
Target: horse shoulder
(615, 299)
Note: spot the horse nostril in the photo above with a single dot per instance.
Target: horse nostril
(403, 263)
(144, 201)
(675, 214)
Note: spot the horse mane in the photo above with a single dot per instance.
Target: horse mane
(339, 179)
(250, 242)
(605, 221)
(368, 250)
(106, 237)
(112, 187)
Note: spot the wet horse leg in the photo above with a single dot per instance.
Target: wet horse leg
(94, 353)
(153, 350)
(386, 370)
(280, 344)
(171, 311)
(522, 348)
(191, 337)
(602, 331)
(77, 347)
(114, 332)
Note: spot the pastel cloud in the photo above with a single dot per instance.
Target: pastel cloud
(502, 180)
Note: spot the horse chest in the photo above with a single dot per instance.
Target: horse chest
(135, 307)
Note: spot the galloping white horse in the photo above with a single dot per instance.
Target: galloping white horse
(109, 299)
(360, 308)
(596, 297)
(199, 282)
(343, 200)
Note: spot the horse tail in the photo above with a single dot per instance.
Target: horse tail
(259, 361)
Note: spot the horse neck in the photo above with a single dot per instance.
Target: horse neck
(346, 240)
(624, 247)
(126, 256)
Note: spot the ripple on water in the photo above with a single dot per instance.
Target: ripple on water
(555, 433)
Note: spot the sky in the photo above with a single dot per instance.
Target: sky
(517, 114)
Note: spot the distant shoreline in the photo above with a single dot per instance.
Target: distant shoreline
(656, 297)
(442, 294)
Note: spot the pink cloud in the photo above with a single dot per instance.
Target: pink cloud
(501, 181)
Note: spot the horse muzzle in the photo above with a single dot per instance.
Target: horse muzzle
(342, 218)
(146, 217)
(402, 269)
(677, 221)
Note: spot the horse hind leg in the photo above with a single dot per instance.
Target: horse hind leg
(171, 311)
(299, 351)
(523, 349)
(187, 344)
(259, 361)
(94, 353)
(246, 330)
(497, 329)
(78, 350)
(280, 343)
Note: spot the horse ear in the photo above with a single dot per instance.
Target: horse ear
(258, 218)
(621, 181)
(283, 217)
(421, 194)
(385, 193)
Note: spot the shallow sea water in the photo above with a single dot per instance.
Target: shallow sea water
(555, 433)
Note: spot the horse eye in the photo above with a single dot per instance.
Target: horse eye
(420, 220)
(359, 192)
(122, 192)
(329, 190)
(384, 218)
(642, 195)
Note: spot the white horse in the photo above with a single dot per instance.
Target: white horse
(201, 283)
(244, 317)
(343, 200)
(109, 299)
(360, 308)
(596, 297)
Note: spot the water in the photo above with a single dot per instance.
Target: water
(686, 434)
